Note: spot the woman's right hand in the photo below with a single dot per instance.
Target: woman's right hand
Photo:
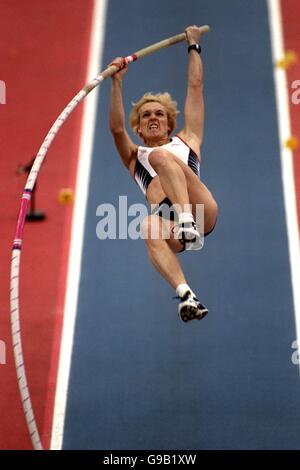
(122, 66)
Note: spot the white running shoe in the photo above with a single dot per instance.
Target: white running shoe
(188, 234)
(190, 308)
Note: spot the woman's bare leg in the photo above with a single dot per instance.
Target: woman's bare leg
(197, 192)
(160, 253)
(172, 178)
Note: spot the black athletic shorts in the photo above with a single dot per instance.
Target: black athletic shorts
(164, 209)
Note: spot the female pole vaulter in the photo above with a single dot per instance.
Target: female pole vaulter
(167, 169)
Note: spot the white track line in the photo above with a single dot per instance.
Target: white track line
(286, 155)
(77, 231)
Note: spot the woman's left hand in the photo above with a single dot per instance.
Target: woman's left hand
(193, 34)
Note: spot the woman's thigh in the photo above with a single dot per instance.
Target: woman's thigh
(199, 194)
(197, 191)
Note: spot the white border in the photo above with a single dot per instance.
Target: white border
(77, 231)
(286, 156)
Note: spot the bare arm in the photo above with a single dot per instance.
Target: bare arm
(126, 148)
(194, 103)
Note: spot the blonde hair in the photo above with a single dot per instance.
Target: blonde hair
(164, 99)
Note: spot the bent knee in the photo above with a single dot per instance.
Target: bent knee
(210, 215)
(159, 157)
(214, 206)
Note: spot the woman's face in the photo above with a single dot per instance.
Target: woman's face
(154, 123)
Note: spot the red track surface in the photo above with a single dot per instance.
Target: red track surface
(290, 18)
(44, 53)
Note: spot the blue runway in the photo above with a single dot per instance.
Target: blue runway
(141, 379)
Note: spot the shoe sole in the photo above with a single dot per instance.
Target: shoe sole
(189, 313)
(198, 245)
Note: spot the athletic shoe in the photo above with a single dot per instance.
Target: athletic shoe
(187, 233)
(190, 308)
